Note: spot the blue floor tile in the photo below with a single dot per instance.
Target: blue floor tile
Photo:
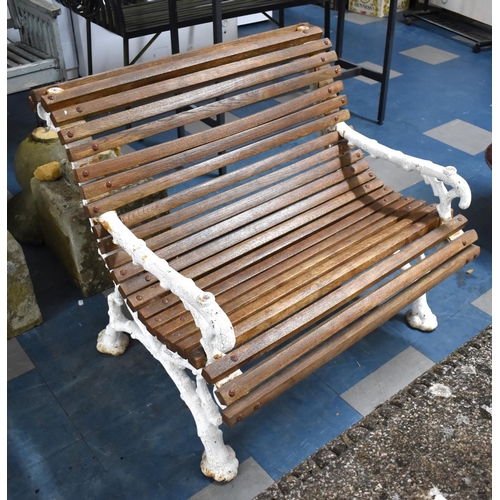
(37, 426)
(295, 425)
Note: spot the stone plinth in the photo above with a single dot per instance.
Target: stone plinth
(66, 231)
(23, 312)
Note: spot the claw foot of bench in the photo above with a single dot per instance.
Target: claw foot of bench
(222, 469)
(421, 317)
(112, 342)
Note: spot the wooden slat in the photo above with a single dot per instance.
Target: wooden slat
(360, 224)
(286, 275)
(350, 291)
(149, 188)
(223, 198)
(204, 77)
(259, 246)
(266, 256)
(178, 64)
(357, 330)
(268, 311)
(193, 147)
(254, 234)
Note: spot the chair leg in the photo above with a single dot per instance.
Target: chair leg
(112, 340)
(420, 315)
(218, 461)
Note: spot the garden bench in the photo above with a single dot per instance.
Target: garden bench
(37, 58)
(249, 280)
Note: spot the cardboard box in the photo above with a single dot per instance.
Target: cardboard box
(376, 8)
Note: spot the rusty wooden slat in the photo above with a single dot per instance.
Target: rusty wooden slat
(357, 330)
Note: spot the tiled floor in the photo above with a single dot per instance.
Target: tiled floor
(84, 426)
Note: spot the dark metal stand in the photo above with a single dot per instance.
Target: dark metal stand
(455, 23)
(350, 69)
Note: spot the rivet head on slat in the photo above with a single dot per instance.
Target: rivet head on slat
(257, 406)
(342, 100)
(50, 97)
(358, 155)
(240, 417)
(387, 188)
(79, 109)
(459, 219)
(336, 118)
(337, 70)
(85, 173)
(464, 242)
(231, 393)
(109, 184)
(371, 174)
(138, 297)
(70, 134)
(233, 357)
(147, 277)
(330, 90)
(95, 147)
(165, 301)
(95, 209)
(123, 272)
(326, 42)
(323, 58)
(367, 186)
(353, 169)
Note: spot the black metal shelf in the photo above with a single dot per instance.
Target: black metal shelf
(472, 30)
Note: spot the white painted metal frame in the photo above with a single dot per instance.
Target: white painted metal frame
(419, 316)
(219, 461)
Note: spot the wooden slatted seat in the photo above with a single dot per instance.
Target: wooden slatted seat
(254, 278)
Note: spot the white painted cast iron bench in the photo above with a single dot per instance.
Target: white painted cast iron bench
(251, 253)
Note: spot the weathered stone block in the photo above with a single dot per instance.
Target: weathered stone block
(23, 312)
(67, 233)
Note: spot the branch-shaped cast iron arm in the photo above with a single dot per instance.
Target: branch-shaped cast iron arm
(216, 328)
(433, 174)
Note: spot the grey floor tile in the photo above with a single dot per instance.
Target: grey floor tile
(485, 303)
(194, 128)
(375, 67)
(126, 148)
(251, 480)
(430, 55)
(462, 135)
(387, 380)
(392, 174)
(18, 361)
(290, 96)
(356, 18)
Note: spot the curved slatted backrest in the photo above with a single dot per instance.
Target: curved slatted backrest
(147, 105)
